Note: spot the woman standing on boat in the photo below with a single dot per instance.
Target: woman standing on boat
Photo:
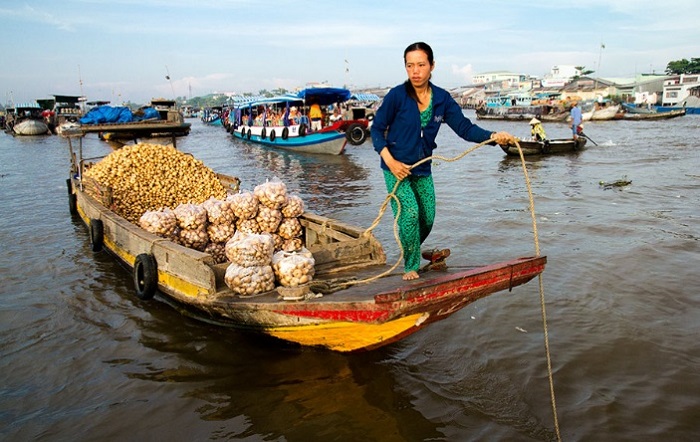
(403, 133)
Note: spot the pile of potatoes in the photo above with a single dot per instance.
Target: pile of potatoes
(146, 177)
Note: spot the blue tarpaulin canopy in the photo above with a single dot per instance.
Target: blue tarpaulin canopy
(365, 97)
(119, 114)
(324, 95)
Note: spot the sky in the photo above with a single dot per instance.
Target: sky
(123, 50)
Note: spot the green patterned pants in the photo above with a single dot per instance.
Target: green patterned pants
(417, 197)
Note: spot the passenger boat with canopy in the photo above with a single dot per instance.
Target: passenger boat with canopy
(283, 122)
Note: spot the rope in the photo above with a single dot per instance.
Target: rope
(541, 287)
(392, 195)
(531, 199)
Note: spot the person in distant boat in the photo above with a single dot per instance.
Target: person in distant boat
(403, 133)
(336, 115)
(316, 116)
(537, 130)
(576, 119)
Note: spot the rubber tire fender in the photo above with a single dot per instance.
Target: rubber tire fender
(72, 199)
(273, 135)
(355, 133)
(263, 134)
(285, 133)
(248, 134)
(302, 130)
(96, 234)
(145, 276)
(243, 132)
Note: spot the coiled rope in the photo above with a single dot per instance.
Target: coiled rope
(393, 196)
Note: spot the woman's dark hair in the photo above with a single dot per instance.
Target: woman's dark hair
(418, 46)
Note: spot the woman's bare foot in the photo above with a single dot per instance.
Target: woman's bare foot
(410, 275)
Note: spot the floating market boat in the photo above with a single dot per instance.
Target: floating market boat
(118, 123)
(642, 113)
(547, 147)
(27, 119)
(270, 122)
(345, 308)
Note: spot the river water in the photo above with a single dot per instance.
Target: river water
(82, 359)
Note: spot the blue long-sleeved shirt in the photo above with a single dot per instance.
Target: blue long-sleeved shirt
(397, 126)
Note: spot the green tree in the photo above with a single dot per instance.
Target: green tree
(683, 66)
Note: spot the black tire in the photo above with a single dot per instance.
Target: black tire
(243, 132)
(73, 204)
(69, 186)
(263, 134)
(145, 276)
(248, 134)
(96, 235)
(355, 133)
(273, 135)
(302, 130)
(285, 133)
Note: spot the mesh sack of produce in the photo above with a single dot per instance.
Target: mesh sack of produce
(244, 204)
(196, 239)
(219, 211)
(290, 228)
(191, 216)
(247, 225)
(292, 245)
(293, 269)
(293, 207)
(220, 232)
(248, 281)
(272, 194)
(250, 249)
(279, 241)
(217, 250)
(160, 222)
(268, 219)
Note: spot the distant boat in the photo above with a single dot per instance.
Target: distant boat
(655, 115)
(67, 111)
(270, 122)
(547, 147)
(26, 119)
(602, 113)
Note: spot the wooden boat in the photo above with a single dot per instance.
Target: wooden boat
(168, 122)
(653, 115)
(547, 147)
(26, 119)
(344, 314)
(602, 113)
(67, 111)
(253, 122)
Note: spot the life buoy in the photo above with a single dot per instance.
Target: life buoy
(145, 276)
(302, 130)
(248, 134)
(96, 234)
(355, 133)
(273, 135)
(285, 133)
(263, 134)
